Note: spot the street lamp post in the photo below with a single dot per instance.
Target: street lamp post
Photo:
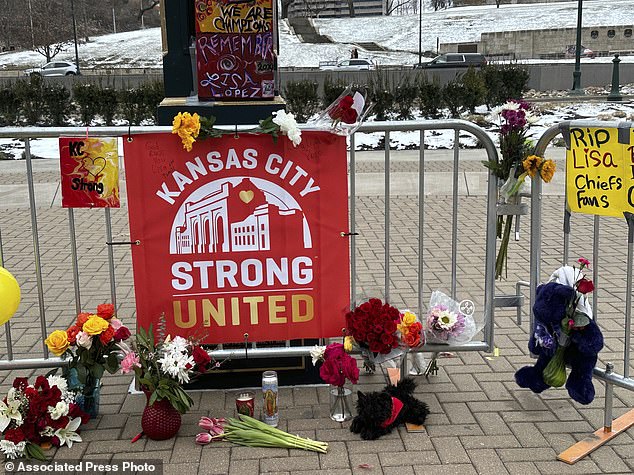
(420, 31)
(576, 75)
(72, 12)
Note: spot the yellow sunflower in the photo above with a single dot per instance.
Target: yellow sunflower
(547, 170)
(531, 164)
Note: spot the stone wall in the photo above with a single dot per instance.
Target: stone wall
(603, 40)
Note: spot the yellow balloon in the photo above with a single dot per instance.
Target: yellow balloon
(9, 295)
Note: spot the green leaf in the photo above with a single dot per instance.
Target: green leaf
(153, 398)
(112, 363)
(581, 319)
(97, 371)
(82, 373)
(35, 452)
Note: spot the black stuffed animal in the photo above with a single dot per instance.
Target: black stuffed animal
(379, 412)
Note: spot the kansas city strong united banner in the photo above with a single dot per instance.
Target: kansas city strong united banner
(240, 235)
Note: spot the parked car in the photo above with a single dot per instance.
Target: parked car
(54, 68)
(454, 60)
(347, 65)
(585, 52)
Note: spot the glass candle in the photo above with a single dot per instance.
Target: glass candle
(245, 403)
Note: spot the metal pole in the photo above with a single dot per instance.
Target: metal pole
(72, 12)
(113, 286)
(387, 215)
(36, 242)
(595, 268)
(454, 215)
(421, 219)
(7, 326)
(420, 31)
(629, 217)
(73, 251)
(353, 238)
(609, 393)
(576, 75)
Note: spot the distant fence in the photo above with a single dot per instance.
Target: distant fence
(543, 77)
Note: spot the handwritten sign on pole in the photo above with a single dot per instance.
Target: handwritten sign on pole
(600, 170)
(90, 172)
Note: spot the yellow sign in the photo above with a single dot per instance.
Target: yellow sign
(600, 171)
(234, 16)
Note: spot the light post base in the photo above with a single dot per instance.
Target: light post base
(615, 93)
(576, 90)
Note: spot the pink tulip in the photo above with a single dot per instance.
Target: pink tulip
(203, 438)
(206, 423)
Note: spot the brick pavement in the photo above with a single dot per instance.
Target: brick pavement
(480, 421)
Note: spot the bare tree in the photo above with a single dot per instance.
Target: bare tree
(53, 28)
(146, 8)
(393, 5)
(15, 30)
(438, 4)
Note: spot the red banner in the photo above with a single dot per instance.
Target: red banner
(240, 235)
(90, 172)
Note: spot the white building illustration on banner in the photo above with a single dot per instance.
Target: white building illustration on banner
(237, 214)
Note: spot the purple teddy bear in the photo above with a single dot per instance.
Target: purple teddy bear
(581, 355)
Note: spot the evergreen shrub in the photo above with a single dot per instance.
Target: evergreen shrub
(302, 99)
(430, 100)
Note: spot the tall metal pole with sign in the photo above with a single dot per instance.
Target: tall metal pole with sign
(576, 75)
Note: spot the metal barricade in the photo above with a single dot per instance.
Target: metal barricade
(12, 361)
(611, 427)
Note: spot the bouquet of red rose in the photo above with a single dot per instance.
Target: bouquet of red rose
(373, 325)
(345, 114)
(37, 416)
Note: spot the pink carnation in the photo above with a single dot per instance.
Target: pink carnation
(129, 362)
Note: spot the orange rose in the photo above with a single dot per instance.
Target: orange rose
(105, 310)
(107, 335)
(412, 339)
(72, 334)
(82, 318)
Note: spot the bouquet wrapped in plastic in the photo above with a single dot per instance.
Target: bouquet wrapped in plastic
(345, 114)
(446, 323)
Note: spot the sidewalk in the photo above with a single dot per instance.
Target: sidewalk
(480, 421)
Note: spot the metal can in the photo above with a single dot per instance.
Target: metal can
(270, 398)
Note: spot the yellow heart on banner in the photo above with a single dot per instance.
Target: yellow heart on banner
(246, 196)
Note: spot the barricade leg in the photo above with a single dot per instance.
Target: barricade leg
(609, 430)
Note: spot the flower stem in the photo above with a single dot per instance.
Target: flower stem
(500, 262)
